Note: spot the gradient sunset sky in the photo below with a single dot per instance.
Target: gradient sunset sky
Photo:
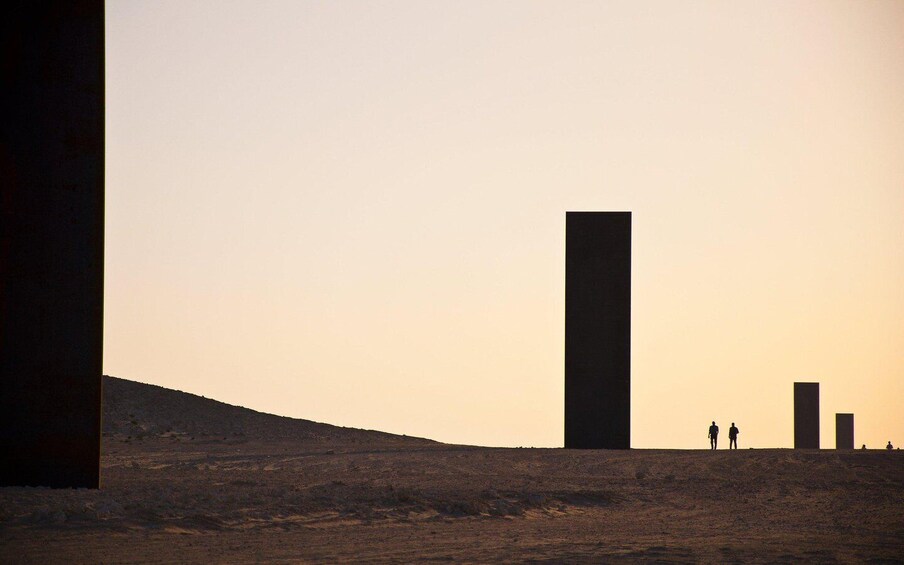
(354, 212)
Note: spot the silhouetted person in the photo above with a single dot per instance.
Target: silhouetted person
(732, 436)
(713, 436)
(864, 446)
(889, 445)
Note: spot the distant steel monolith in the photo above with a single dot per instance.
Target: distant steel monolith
(806, 415)
(844, 431)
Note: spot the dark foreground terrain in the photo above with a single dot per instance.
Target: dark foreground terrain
(187, 479)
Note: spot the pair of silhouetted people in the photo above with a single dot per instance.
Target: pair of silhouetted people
(888, 447)
(732, 436)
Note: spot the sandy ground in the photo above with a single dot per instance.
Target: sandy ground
(174, 497)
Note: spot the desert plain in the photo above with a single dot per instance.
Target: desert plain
(189, 479)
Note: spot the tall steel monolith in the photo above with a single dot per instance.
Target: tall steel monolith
(51, 241)
(806, 415)
(598, 330)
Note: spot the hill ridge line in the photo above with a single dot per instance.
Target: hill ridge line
(138, 410)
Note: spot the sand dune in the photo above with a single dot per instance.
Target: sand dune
(187, 479)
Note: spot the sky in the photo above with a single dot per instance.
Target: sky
(354, 212)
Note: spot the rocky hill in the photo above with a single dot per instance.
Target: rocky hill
(138, 410)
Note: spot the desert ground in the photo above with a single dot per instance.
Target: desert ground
(189, 479)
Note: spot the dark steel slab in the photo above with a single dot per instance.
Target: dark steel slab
(806, 415)
(598, 330)
(51, 241)
(844, 431)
